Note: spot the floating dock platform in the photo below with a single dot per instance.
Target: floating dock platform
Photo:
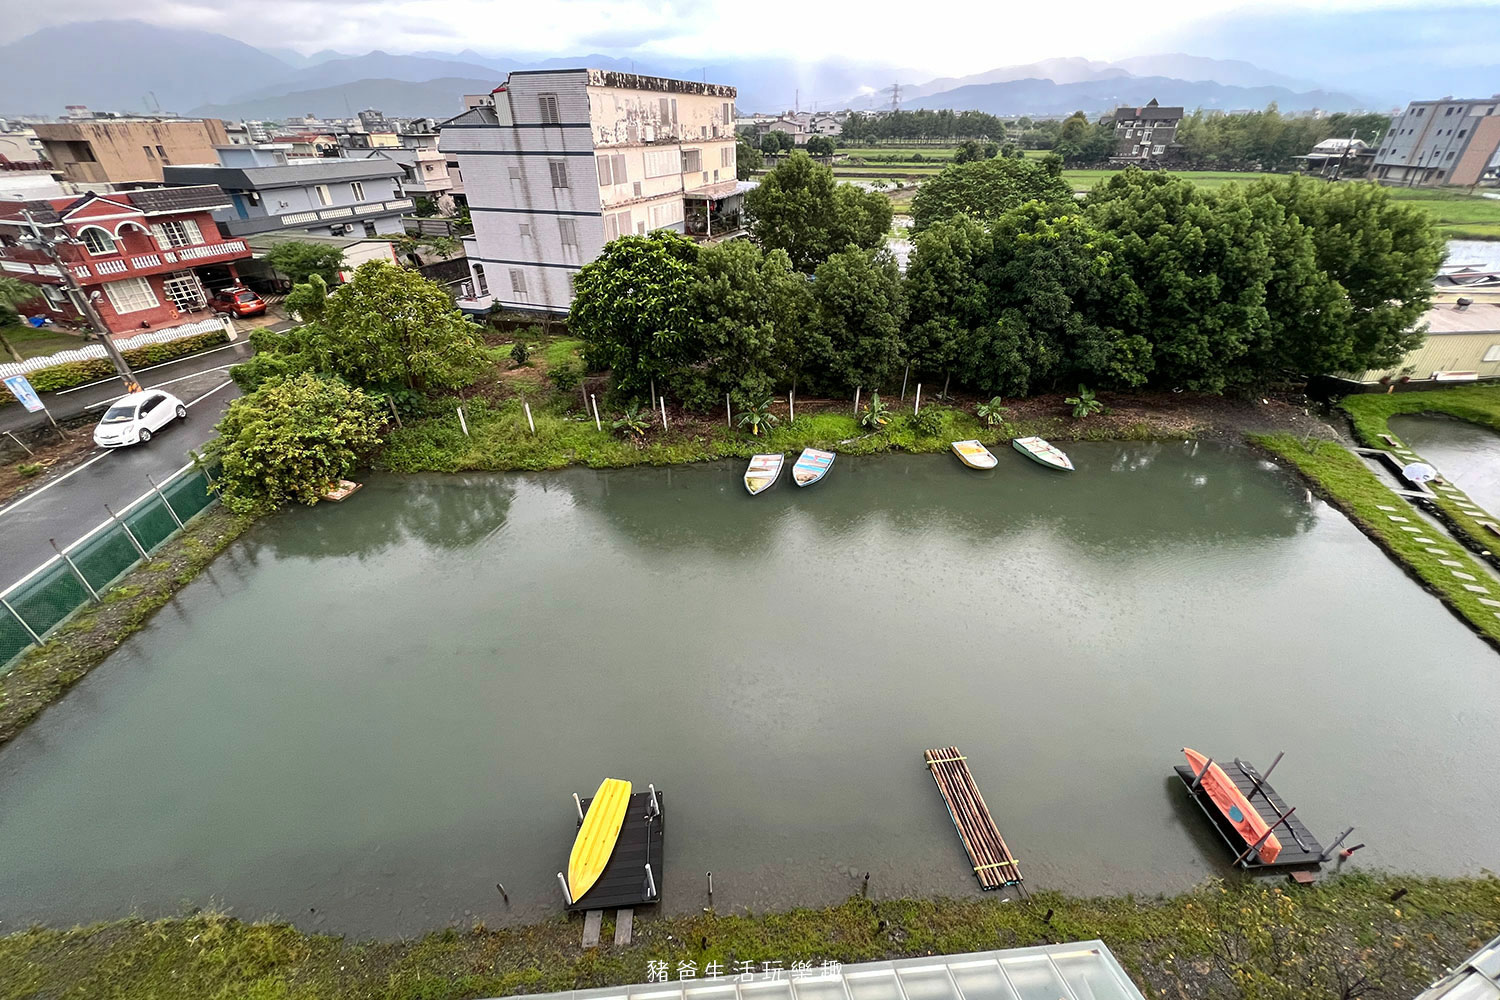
(994, 866)
(642, 842)
(1299, 848)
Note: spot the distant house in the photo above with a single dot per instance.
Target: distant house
(1146, 136)
(100, 151)
(825, 125)
(425, 166)
(1463, 344)
(1339, 157)
(1446, 141)
(333, 196)
(309, 144)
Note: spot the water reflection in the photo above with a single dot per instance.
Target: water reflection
(1466, 453)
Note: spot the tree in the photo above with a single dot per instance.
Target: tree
(632, 307)
(291, 438)
(388, 328)
(985, 189)
(775, 141)
(858, 316)
(299, 260)
(974, 150)
(820, 145)
(799, 208)
(758, 415)
(747, 158)
(14, 293)
(947, 299)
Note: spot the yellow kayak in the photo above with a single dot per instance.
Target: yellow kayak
(597, 835)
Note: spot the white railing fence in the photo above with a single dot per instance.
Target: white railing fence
(93, 351)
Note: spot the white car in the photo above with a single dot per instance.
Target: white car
(135, 417)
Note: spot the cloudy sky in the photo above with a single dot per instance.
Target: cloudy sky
(947, 37)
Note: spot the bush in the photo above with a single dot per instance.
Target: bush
(520, 353)
(74, 373)
(566, 376)
(28, 470)
(930, 421)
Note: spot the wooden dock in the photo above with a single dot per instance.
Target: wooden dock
(994, 866)
(623, 883)
(1299, 848)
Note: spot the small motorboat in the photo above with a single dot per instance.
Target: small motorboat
(1233, 805)
(973, 454)
(597, 835)
(811, 466)
(763, 472)
(1043, 453)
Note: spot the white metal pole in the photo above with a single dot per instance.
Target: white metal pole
(650, 883)
(17, 616)
(461, 421)
(663, 412)
(655, 805)
(18, 441)
(597, 425)
(564, 883)
(728, 413)
(917, 406)
(76, 571)
(856, 399)
(529, 421)
(791, 406)
(904, 377)
(128, 533)
(578, 804)
(165, 502)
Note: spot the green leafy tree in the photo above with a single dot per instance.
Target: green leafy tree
(520, 353)
(758, 415)
(747, 158)
(986, 189)
(299, 260)
(973, 150)
(1084, 404)
(858, 316)
(820, 145)
(799, 208)
(775, 142)
(632, 308)
(14, 293)
(875, 414)
(946, 295)
(290, 438)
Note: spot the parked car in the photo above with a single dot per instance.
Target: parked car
(133, 418)
(237, 300)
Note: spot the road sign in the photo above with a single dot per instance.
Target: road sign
(22, 390)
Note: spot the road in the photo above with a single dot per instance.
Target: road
(68, 506)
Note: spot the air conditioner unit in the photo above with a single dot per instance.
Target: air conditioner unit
(339, 230)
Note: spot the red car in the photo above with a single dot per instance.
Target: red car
(237, 300)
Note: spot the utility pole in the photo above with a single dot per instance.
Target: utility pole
(82, 304)
(1338, 168)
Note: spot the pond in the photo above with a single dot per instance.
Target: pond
(1466, 453)
(364, 716)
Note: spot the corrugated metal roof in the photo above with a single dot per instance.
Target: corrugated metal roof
(320, 171)
(1477, 979)
(178, 199)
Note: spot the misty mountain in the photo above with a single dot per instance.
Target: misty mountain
(1230, 72)
(441, 98)
(1044, 97)
(375, 65)
(118, 65)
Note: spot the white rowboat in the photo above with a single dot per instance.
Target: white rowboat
(763, 472)
(973, 454)
(811, 466)
(1043, 453)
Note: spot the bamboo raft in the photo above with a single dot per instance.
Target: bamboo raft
(994, 866)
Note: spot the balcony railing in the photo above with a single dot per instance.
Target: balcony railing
(148, 262)
(295, 219)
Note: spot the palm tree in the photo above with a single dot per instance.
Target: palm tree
(759, 415)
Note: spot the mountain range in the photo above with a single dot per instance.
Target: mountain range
(203, 73)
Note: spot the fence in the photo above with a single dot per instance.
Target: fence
(93, 351)
(45, 597)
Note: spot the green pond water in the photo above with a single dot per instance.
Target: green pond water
(363, 716)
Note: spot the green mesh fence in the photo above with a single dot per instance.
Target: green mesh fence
(43, 601)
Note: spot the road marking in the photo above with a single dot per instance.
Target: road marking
(44, 489)
(190, 357)
(227, 381)
(158, 385)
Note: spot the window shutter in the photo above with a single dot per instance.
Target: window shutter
(604, 172)
(194, 234)
(160, 232)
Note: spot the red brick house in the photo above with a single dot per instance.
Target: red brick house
(141, 257)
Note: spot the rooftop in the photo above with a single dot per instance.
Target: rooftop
(302, 171)
(1481, 317)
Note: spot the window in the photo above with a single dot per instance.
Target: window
(97, 241)
(612, 170)
(665, 107)
(1493, 354)
(480, 282)
(1462, 132)
(726, 156)
(559, 170)
(55, 296)
(692, 161)
(727, 113)
(525, 228)
(184, 290)
(369, 228)
(515, 173)
(1447, 112)
(149, 155)
(176, 234)
(358, 189)
(547, 104)
(661, 162)
(324, 197)
(616, 225)
(130, 295)
(163, 154)
(518, 283)
(568, 230)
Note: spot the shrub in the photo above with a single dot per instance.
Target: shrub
(930, 421)
(520, 353)
(566, 376)
(28, 470)
(633, 422)
(875, 415)
(1084, 404)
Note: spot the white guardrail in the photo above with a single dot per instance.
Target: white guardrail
(93, 351)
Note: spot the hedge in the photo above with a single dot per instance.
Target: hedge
(75, 373)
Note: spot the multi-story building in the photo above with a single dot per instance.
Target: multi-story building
(332, 196)
(1146, 135)
(1446, 141)
(564, 161)
(140, 256)
(425, 165)
(113, 151)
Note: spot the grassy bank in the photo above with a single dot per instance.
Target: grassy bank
(44, 674)
(1370, 413)
(1256, 941)
(1345, 481)
(500, 439)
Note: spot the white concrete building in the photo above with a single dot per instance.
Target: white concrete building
(564, 161)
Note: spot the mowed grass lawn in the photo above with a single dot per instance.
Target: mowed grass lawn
(34, 343)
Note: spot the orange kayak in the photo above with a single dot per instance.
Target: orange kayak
(1235, 807)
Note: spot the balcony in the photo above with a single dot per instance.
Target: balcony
(161, 260)
(320, 217)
